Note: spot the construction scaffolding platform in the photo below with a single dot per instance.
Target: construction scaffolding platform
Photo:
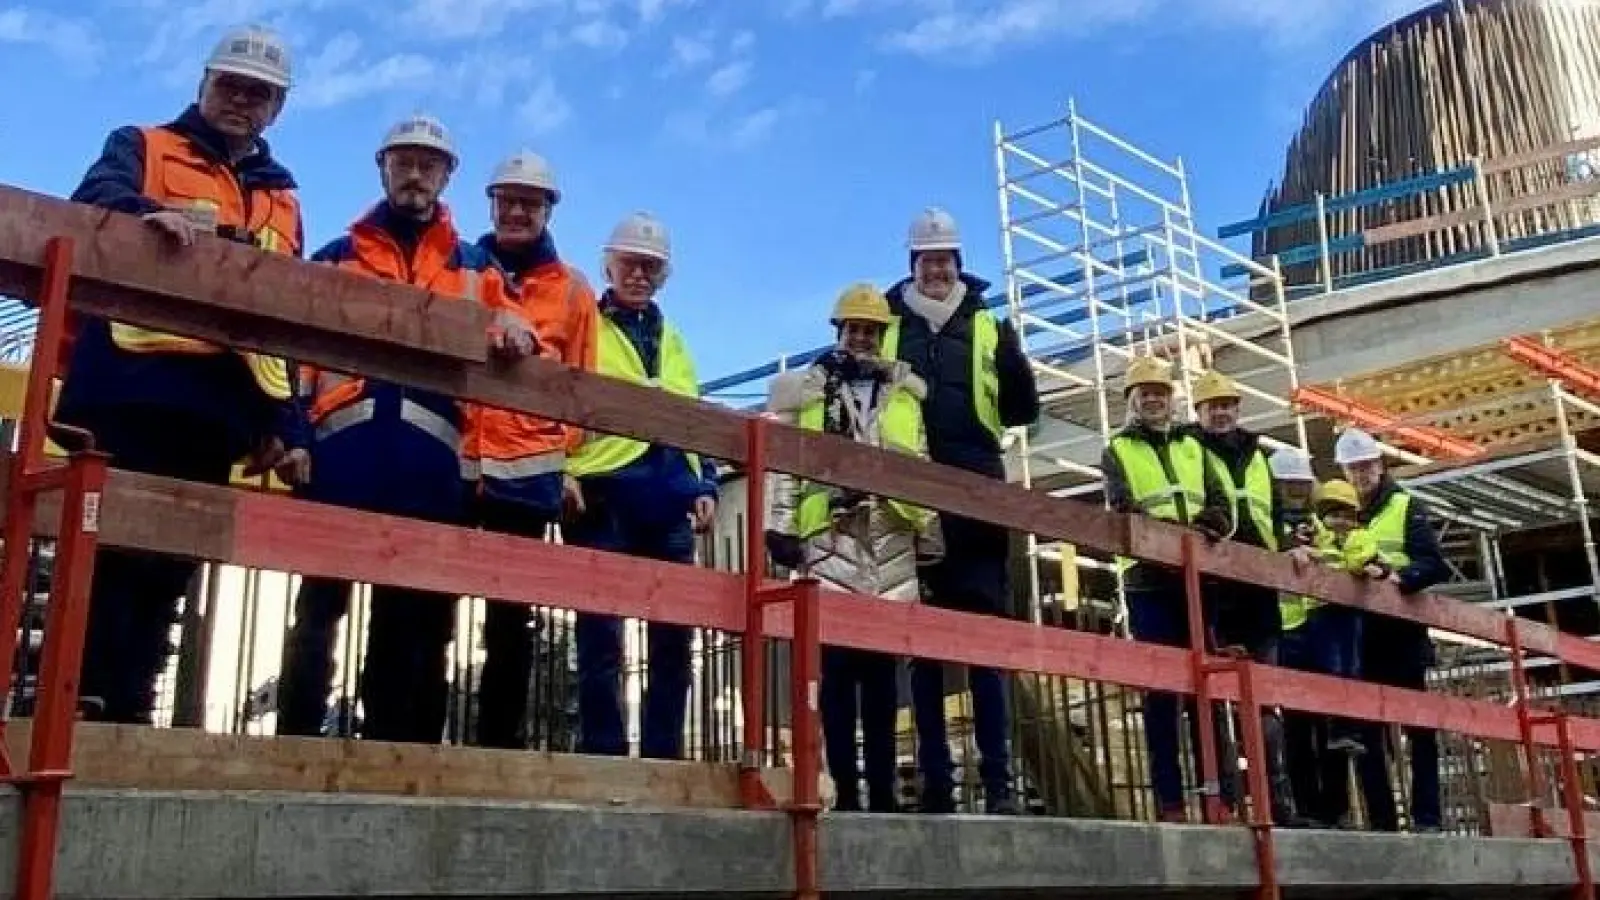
(421, 826)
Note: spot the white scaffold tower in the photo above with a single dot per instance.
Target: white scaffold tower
(1103, 261)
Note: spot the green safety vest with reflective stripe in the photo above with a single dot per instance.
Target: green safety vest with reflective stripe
(899, 428)
(1388, 530)
(1255, 494)
(985, 374)
(616, 357)
(1154, 493)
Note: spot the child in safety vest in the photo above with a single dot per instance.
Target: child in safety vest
(1323, 637)
(852, 541)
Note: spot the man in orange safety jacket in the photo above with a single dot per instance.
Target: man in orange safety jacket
(512, 461)
(170, 405)
(391, 449)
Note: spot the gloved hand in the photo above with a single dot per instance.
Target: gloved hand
(1213, 524)
(786, 550)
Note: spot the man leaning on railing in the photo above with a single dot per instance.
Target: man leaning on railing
(170, 405)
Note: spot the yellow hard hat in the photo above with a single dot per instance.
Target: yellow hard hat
(1336, 492)
(862, 303)
(1214, 385)
(1147, 370)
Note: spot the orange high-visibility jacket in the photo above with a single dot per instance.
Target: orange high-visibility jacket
(504, 449)
(179, 177)
(442, 263)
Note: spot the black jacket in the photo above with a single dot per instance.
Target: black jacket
(944, 361)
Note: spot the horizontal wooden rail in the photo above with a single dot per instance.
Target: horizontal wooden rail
(277, 533)
(408, 336)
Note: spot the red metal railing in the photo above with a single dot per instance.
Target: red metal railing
(274, 532)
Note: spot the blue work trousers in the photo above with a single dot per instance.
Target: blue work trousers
(865, 684)
(602, 726)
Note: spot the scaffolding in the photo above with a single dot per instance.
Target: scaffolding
(1103, 261)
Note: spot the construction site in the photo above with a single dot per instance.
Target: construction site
(1424, 268)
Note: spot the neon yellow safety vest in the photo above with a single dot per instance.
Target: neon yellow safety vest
(616, 357)
(1176, 499)
(1358, 549)
(1388, 530)
(985, 374)
(1255, 494)
(900, 428)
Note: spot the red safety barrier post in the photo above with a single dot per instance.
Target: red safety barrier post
(1211, 806)
(753, 794)
(50, 756)
(1255, 752)
(27, 473)
(804, 685)
(1530, 749)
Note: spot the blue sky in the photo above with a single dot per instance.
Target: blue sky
(787, 143)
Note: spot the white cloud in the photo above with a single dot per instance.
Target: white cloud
(971, 29)
(752, 129)
(742, 42)
(654, 10)
(460, 19)
(729, 79)
(545, 109)
(689, 52)
(337, 74)
(600, 34)
(70, 39)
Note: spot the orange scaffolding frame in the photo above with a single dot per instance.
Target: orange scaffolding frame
(281, 533)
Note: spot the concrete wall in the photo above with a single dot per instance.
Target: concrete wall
(185, 846)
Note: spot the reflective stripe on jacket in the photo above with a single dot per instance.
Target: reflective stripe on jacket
(1169, 485)
(442, 264)
(1254, 496)
(616, 357)
(180, 178)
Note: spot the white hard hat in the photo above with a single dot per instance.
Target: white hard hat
(526, 169)
(420, 131)
(934, 229)
(643, 234)
(253, 52)
(1355, 446)
(1291, 465)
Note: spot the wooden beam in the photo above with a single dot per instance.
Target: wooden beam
(281, 534)
(208, 522)
(183, 759)
(122, 266)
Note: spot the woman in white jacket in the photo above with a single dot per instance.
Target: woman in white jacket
(852, 541)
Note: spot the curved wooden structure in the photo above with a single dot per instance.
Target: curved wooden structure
(1458, 81)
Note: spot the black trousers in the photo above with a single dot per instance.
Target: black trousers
(507, 640)
(134, 600)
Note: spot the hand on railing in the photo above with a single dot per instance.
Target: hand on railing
(1212, 524)
(292, 467)
(510, 337)
(175, 225)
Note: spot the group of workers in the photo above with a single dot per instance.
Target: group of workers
(923, 368)
(188, 409)
(1218, 478)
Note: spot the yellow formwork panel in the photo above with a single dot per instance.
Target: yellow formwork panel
(1481, 393)
(13, 397)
